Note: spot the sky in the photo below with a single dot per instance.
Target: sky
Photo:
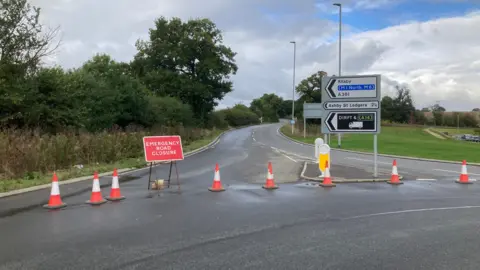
(430, 46)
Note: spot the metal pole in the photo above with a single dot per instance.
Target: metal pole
(339, 136)
(304, 127)
(375, 156)
(293, 86)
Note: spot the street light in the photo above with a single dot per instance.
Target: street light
(339, 56)
(293, 86)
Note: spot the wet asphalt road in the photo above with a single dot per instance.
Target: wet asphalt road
(419, 225)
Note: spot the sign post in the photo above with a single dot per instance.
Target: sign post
(163, 149)
(352, 105)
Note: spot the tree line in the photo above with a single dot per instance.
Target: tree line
(177, 77)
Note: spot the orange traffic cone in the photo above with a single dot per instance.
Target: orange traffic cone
(55, 201)
(464, 175)
(270, 183)
(115, 194)
(96, 196)
(327, 180)
(217, 185)
(395, 179)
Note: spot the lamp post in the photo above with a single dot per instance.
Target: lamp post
(339, 55)
(293, 86)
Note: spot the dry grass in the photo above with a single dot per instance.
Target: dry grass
(30, 156)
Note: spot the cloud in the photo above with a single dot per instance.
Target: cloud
(437, 60)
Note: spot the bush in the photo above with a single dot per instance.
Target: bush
(239, 117)
(169, 111)
(27, 151)
(217, 119)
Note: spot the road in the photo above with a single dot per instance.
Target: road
(419, 225)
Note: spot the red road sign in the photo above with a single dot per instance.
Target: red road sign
(162, 148)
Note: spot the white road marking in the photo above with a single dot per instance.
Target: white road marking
(368, 160)
(254, 139)
(291, 154)
(213, 146)
(414, 211)
(456, 172)
(289, 158)
(426, 179)
(283, 154)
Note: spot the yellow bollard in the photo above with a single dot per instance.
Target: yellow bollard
(323, 157)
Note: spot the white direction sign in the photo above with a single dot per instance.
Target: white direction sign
(352, 87)
(351, 105)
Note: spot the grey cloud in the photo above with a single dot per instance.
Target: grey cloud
(359, 59)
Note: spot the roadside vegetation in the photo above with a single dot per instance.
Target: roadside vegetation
(93, 117)
(404, 128)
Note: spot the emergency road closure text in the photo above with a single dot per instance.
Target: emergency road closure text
(162, 148)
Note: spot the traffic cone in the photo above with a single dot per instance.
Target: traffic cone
(217, 185)
(96, 196)
(463, 179)
(115, 194)
(270, 183)
(55, 201)
(327, 180)
(394, 179)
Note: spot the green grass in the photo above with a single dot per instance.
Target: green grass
(454, 131)
(403, 141)
(35, 179)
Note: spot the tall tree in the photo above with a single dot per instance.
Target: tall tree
(387, 108)
(267, 106)
(402, 105)
(186, 60)
(23, 44)
(309, 89)
(23, 40)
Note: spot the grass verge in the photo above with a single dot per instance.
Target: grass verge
(35, 179)
(402, 141)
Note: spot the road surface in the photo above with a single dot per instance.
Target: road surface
(419, 225)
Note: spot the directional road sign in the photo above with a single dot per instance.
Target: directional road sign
(313, 110)
(344, 96)
(351, 122)
(351, 105)
(352, 87)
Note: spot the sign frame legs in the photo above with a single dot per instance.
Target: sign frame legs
(150, 175)
(169, 175)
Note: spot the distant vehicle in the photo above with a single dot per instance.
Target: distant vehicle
(355, 125)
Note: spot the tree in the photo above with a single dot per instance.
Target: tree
(285, 109)
(23, 44)
(437, 108)
(387, 108)
(309, 89)
(186, 60)
(23, 41)
(49, 103)
(402, 105)
(106, 95)
(476, 110)
(267, 106)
